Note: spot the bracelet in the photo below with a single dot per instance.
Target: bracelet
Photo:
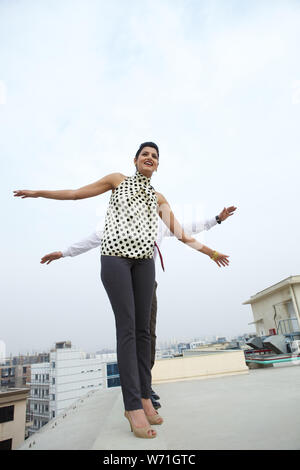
(214, 255)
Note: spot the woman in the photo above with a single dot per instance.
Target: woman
(128, 272)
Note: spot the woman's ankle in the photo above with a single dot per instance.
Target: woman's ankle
(134, 411)
(148, 406)
(146, 400)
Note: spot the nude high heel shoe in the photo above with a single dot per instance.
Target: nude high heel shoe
(155, 419)
(139, 432)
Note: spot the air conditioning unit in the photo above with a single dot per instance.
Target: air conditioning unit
(277, 343)
(255, 343)
(295, 346)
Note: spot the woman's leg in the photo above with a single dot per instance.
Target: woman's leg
(117, 281)
(143, 278)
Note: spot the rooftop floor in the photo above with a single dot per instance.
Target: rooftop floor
(259, 410)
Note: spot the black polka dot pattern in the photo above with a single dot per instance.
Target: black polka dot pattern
(131, 222)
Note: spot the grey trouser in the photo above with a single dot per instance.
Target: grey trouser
(153, 325)
(129, 284)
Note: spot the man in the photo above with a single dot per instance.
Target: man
(94, 241)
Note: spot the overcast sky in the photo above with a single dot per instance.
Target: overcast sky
(82, 83)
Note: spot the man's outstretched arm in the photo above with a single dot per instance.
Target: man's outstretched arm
(86, 244)
(198, 226)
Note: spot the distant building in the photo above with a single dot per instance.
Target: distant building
(276, 308)
(196, 344)
(221, 339)
(38, 406)
(165, 353)
(69, 375)
(13, 376)
(15, 371)
(111, 376)
(183, 346)
(12, 417)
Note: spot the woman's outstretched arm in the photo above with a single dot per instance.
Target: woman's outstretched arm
(168, 217)
(94, 189)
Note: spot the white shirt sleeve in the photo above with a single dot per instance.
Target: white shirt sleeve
(196, 226)
(93, 241)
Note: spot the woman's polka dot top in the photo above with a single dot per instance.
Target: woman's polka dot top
(131, 222)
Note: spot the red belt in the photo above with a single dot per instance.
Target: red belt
(160, 255)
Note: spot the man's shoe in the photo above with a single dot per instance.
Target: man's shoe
(156, 404)
(154, 395)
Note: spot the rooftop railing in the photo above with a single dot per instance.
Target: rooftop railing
(288, 326)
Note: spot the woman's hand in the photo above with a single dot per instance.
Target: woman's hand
(220, 259)
(51, 257)
(25, 193)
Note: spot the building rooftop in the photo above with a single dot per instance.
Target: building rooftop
(259, 410)
(279, 285)
(13, 390)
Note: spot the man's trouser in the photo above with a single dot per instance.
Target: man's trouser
(153, 325)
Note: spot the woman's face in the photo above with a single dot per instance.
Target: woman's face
(147, 161)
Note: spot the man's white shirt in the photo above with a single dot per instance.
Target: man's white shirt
(94, 240)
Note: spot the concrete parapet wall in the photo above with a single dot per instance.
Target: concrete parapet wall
(200, 366)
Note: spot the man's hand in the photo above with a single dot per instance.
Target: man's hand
(226, 212)
(51, 257)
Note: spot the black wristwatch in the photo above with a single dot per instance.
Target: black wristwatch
(218, 219)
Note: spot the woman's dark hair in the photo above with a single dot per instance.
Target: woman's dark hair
(146, 144)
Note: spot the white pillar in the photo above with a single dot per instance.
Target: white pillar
(295, 305)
